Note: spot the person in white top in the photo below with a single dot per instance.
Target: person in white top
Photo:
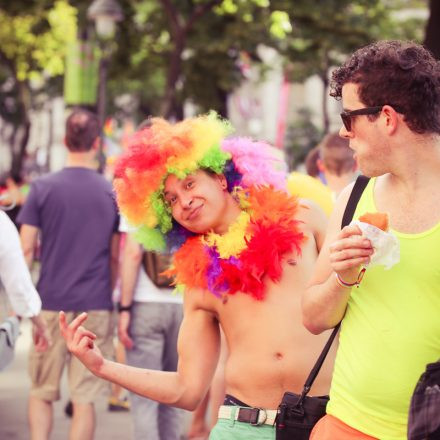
(149, 321)
(17, 282)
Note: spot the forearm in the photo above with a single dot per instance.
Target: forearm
(28, 237)
(197, 347)
(130, 267)
(161, 386)
(114, 260)
(113, 272)
(324, 305)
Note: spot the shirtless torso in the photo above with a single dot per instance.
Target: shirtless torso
(270, 351)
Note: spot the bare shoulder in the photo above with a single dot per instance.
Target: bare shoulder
(199, 299)
(309, 212)
(323, 268)
(340, 205)
(345, 194)
(314, 220)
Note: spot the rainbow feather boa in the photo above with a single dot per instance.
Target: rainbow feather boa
(252, 248)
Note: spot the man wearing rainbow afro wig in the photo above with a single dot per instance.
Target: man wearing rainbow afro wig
(244, 251)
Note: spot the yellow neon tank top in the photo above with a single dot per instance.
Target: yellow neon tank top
(391, 330)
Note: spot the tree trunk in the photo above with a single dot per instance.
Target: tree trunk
(102, 101)
(19, 154)
(47, 165)
(325, 118)
(169, 104)
(432, 36)
(222, 109)
(178, 111)
(179, 31)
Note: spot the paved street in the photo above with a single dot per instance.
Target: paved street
(14, 388)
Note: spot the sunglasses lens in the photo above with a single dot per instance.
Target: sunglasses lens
(346, 120)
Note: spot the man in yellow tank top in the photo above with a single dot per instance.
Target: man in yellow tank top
(390, 329)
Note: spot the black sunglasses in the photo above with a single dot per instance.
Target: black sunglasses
(348, 114)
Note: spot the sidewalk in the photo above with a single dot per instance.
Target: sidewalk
(14, 389)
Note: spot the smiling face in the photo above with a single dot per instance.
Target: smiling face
(367, 136)
(200, 202)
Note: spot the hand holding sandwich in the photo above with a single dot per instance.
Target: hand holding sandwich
(363, 242)
(348, 253)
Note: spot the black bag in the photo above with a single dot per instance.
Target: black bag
(424, 411)
(297, 419)
(299, 413)
(156, 263)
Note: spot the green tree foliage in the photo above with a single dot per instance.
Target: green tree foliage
(326, 31)
(432, 38)
(33, 39)
(34, 45)
(172, 50)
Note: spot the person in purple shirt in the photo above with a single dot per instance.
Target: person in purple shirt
(74, 214)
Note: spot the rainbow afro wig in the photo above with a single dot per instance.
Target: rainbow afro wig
(181, 149)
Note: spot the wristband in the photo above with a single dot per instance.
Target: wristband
(343, 283)
(123, 308)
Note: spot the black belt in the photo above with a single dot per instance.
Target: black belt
(253, 416)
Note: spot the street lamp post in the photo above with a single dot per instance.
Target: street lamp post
(105, 14)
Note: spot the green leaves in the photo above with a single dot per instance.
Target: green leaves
(36, 44)
(280, 24)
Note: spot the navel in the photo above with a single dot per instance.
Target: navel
(279, 356)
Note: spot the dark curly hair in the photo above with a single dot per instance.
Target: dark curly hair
(402, 74)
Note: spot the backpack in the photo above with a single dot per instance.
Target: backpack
(424, 410)
(154, 264)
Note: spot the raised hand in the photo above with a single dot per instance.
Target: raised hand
(80, 342)
(349, 251)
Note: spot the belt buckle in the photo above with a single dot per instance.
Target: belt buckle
(264, 417)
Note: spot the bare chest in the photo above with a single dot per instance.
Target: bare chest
(412, 216)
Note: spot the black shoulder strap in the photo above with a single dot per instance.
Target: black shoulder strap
(356, 192)
(358, 189)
